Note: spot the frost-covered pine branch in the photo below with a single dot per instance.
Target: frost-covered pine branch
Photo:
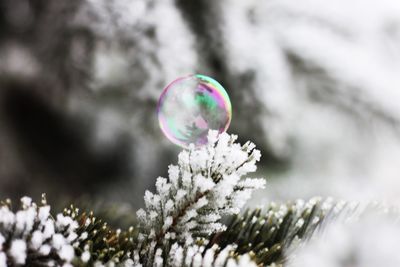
(200, 256)
(205, 185)
(99, 244)
(269, 234)
(181, 225)
(32, 237)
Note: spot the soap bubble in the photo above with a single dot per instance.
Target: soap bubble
(190, 106)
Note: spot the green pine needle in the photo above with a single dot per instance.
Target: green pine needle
(267, 234)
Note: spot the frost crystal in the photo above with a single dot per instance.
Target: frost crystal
(18, 251)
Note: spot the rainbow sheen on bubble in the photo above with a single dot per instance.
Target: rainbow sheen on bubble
(190, 106)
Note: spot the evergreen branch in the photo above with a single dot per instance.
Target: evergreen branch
(268, 234)
(32, 237)
(99, 243)
(203, 186)
(200, 256)
(181, 225)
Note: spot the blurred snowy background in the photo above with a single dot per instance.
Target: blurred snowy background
(315, 84)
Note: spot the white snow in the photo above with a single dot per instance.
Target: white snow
(3, 259)
(206, 178)
(85, 256)
(18, 251)
(67, 253)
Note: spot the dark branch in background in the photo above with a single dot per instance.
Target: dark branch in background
(47, 32)
(202, 16)
(54, 145)
(323, 88)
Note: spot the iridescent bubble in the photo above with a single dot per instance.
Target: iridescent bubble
(190, 106)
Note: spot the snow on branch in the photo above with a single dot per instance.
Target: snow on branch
(205, 185)
(180, 225)
(31, 236)
(200, 256)
(271, 233)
